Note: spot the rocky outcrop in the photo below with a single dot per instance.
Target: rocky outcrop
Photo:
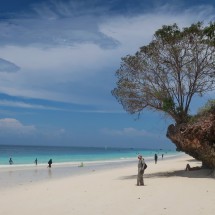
(196, 138)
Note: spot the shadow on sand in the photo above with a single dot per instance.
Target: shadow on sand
(203, 173)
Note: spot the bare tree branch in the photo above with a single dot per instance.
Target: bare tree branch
(165, 74)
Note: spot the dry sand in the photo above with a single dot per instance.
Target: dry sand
(168, 190)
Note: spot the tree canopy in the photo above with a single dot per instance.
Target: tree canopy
(165, 74)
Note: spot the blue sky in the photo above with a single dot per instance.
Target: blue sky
(57, 64)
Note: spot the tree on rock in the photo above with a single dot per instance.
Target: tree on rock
(165, 75)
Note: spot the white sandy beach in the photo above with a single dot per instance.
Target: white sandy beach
(168, 190)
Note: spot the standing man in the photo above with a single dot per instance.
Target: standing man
(156, 158)
(141, 164)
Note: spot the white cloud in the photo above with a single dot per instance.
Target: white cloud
(48, 71)
(76, 67)
(136, 31)
(13, 126)
(6, 66)
(130, 132)
(26, 105)
(54, 23)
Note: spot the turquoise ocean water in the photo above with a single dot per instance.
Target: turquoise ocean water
(27, 154)
(94, 159)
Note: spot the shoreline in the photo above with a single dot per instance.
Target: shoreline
(169, 189)
(95, 162)
(10, 174)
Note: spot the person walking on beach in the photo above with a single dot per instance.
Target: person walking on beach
(50, 163)
(35, 161)
(141, 164)
(156, 158)
(10, 161)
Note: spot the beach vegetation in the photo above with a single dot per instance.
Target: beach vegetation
(210, 104)
(205, 110)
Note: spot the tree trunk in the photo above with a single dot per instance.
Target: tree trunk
(196, 139)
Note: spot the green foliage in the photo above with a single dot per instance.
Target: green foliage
(169, 33)
(207, 107)
(193, 119)
(168, 104)
(210, 32)
(203, 111)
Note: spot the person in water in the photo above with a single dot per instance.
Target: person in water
(10, 161)
(50, 163)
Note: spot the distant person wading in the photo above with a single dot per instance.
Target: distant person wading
(10, 161)
(50, 163)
